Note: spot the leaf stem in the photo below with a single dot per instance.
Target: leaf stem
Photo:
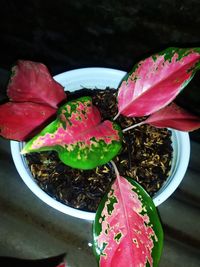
(116, 116)
(115, 168)
(133, 126)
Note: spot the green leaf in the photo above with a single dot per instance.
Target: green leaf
(78, 135)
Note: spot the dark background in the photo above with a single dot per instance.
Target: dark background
(69, 34)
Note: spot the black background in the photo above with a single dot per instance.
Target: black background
(70, 34)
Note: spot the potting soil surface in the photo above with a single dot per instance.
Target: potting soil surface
(145, 156)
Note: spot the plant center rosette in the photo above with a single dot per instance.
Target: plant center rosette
(127, 230)
(145, 152)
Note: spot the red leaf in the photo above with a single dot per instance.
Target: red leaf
(127, 230)
(31, 81)
(174, 117)
(156, 81)
(19, 120)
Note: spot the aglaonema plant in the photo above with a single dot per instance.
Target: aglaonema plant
(127, 230)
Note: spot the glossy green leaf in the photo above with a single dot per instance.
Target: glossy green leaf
(78, 135)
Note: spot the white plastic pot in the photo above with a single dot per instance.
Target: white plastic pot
(102, 78)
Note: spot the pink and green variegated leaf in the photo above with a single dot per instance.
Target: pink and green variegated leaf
(127, 230)
(156, 81)
(174, 117)
(78, 136)
(20, 121)
(32, 82)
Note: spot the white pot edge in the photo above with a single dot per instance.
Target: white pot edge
(87, 77)
(181, 157)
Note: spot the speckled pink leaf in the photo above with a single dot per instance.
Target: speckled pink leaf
(78, 135)
(156, 81)
(18, 121)
(32, 82)
(127, 230)
(174, 117)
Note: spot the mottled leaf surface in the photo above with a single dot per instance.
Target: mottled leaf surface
(127, 229)
(156, 81)
(18, 121)
(32, 82)
(174, 117)
(78, 136)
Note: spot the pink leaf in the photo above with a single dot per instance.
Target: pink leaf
(78, 136)
(18, 121)
(156, 81)
(32, 82)
(174, 117)
(127, 230)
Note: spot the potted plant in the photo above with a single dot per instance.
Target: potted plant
(102, 78)
(155, 81)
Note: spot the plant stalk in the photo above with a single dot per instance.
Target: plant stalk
(115, 168)
(116, 116)
(133, 126)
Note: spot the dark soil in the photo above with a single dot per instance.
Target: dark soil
(145, 157)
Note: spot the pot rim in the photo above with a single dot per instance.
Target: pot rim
(101, 78)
